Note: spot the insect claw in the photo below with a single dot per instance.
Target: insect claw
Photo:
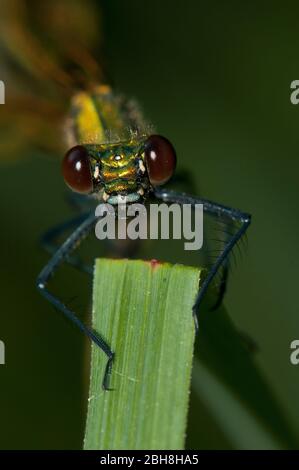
(105, 383)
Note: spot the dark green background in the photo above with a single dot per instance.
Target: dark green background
(215, 78)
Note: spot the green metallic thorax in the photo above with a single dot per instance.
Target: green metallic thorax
(120, 170)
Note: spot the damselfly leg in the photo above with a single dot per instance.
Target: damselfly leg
(61, 255)
(217, 210)
(50, 244)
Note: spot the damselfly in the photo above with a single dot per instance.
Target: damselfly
(113, 155)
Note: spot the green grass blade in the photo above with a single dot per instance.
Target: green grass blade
(143, 310)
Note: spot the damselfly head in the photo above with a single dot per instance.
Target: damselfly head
(119, 172)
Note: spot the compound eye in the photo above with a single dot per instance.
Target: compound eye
(76, 170)
(160, 159)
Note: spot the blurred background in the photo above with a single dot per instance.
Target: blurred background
(215, 79)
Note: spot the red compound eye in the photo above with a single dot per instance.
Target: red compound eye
(76, 170)
(160, 159)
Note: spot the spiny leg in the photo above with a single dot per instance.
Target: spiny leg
(186, 180)
(50, 244)
(118, 248)
(214, 209)
(58, 258)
